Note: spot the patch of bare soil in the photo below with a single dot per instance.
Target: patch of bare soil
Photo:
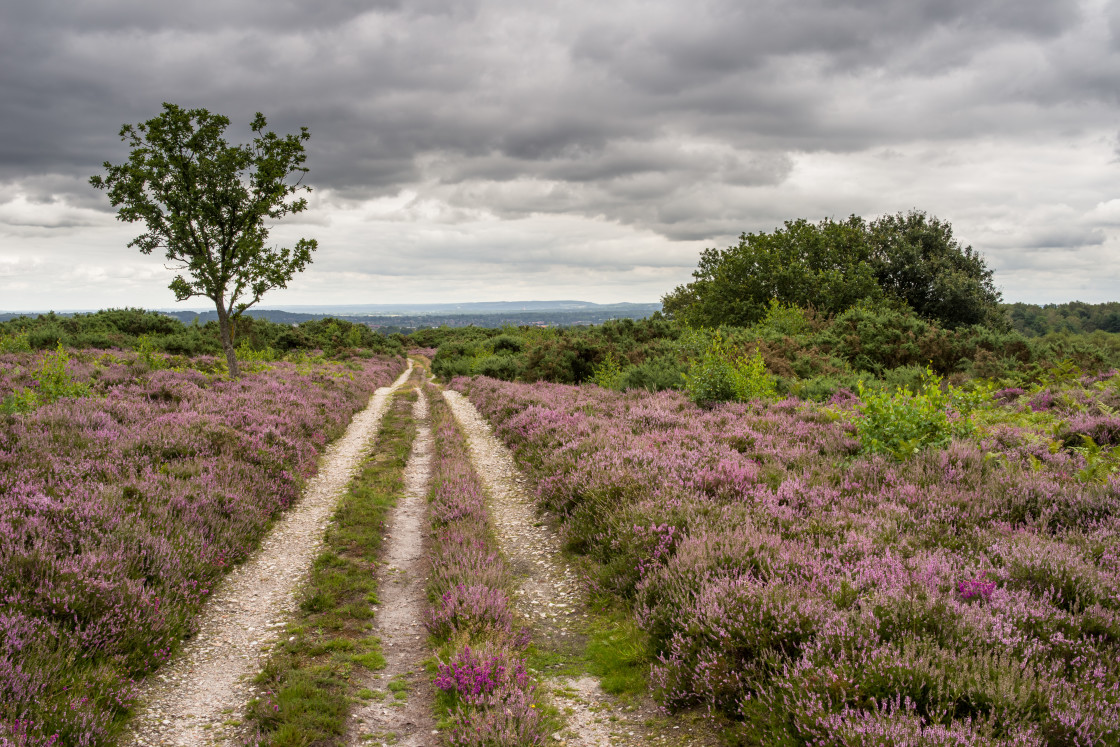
(402, 716)
(552, 599)
(196, 698)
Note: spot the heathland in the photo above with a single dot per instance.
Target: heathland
(860, 526)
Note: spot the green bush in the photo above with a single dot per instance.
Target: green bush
(901, 423)
(566, 359)
(15, 343)
(708, 379)
(784, 319)
(716, 376)
(749, 379)
(453, 359)
(608, 374)
(502, 367)
(911, 378)
(654, 375)
(506, 343)
(52, 383)
(125, 328)
(45, 337)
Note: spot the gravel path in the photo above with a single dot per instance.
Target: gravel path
(549, 594)
(387, 719)
(196, 698)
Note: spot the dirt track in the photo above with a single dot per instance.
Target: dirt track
(199, 695)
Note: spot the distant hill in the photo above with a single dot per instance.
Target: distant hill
(474, 307)
(390, 318)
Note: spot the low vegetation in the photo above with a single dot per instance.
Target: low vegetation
(128, 486)
(934, 567)
(487, 695)
(806, 354)
(835, 494)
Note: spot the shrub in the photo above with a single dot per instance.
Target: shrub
(901, 423)
(608, 374)
(15, 343)
(507, 343)
(709, 377)
(502, 367)
(45, 337)
(749, 379)
(717, 377)
(52, 383)
(784, 319)
(653, 375)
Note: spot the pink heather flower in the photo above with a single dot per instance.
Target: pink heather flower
(977, 587)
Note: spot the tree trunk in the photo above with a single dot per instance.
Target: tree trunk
(226, 331)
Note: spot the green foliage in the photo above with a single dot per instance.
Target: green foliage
(709, 375)
(716, 375)
(502, 367)
(749, 379)
(917, 261)
(784, 319)
(205, 203)
(831, 266)
(15, 343)
(261, 355)
(151, 333)
(1076, 317)
(901, 423)
(506, 343)
(52, 383)
(826, 265)
(654, 374)
(1100, 462)
(25, 400)
(147, 352)
(608, 374)
(820, 388)
(808, 354)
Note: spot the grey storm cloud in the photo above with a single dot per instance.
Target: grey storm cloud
(671, 117)
(531, 94)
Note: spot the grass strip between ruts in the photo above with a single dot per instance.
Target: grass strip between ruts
(485, 695)
(307, 679)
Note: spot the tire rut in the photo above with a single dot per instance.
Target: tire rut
(549, 594)
(406, 722)
(197, 698)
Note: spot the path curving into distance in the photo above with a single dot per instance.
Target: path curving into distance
(189, 701)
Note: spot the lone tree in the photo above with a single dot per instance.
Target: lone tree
(205, 203)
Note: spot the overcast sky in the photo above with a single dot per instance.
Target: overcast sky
(466, 150)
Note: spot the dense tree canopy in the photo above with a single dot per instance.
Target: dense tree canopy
(832, 265)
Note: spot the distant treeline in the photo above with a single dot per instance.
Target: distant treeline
(405, 323)
(1074, 317)
(1032, 320)
(128, 328)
